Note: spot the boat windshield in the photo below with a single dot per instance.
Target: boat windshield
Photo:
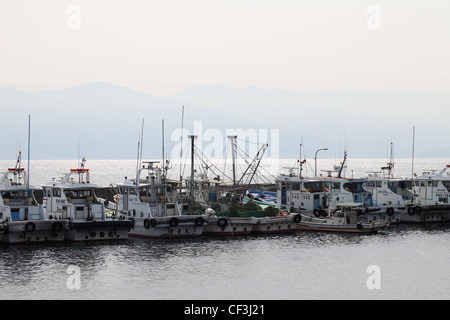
(17, 198)
(446, 184)
(315, 186)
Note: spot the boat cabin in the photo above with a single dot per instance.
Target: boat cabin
(17, 201)
(73, 197)
(432, 187)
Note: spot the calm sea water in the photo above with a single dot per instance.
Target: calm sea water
(105, 172)
(412, 261)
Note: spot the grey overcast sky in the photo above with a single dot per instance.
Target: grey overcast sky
(163, 47)
(337, 73)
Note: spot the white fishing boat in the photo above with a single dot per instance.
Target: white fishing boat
(72, 198)
(347, 219)
(318, 196)
(22, 219)
(427, 196)
(387, 205)
(152, 204)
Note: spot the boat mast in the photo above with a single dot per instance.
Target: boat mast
(342, 166)
(28, 170)
(412, 160)
(192, 137)
(139, 157)
(181, 150)
(233, 157)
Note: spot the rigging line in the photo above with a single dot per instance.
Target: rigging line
(247, 141)
(183, 162)
(261, 167)
(211, 164)
(256, 157)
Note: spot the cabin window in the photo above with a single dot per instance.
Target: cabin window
(56, 192)
(78, 194)
(373, 184)
(143, 192)
(446, 184)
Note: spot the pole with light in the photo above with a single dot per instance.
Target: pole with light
(315, 160)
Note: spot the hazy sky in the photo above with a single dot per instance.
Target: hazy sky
(162, 47)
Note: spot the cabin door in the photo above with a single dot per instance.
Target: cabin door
(283, 196)
(15, 214)
(430, 190)
(316, 201)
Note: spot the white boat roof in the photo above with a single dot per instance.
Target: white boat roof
(18, 188)
(6, 183)
(67, 182)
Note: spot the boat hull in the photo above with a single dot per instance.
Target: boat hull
(168, 227)
(425, 217)
(39, 231)
(98, 230)
(275, 225)
(322, 227)
(226, 226)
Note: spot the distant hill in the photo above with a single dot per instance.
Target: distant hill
(106, 120)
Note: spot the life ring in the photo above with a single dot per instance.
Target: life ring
(30, 227)
(411, 211)
(359, 226)
(147, 223)
(298, 218)
(57, 226)
(222, 222)
(323, 213)
(390, 211)
(153, 222)
(173, 222)
(199, 221)
(317, 213)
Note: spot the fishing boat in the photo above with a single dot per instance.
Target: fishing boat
(318, 196)
(152, 204)
(427, 196)
(347, 219)
(387, 204)
(22, 218)
(72, 198)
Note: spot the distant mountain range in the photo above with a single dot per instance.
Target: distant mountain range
(105, 121)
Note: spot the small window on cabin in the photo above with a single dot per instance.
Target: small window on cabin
(56, 192)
